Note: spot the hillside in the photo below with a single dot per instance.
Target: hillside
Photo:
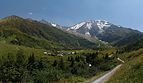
(31, 33)
(24, 64)
(130, 43)
(132, 70)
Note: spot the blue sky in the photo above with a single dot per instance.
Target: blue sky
(128, 13)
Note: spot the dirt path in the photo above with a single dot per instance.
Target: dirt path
(104, 78)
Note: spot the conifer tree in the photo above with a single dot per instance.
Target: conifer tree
(55, 63)
(61, 64)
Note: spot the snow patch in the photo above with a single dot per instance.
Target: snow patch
(87, 33)
(89, 25)
(102, 24)
(77, 26)
(54, 25)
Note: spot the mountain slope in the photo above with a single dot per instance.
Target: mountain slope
(132, 70)
(100, 43)
(51, 24)
(16, 29)
(130, 43)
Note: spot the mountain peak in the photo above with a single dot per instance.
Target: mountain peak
(13, 17)
(98, 24)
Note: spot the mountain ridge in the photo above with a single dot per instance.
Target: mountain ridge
(93, 31)
(104, 31)
(41, 31)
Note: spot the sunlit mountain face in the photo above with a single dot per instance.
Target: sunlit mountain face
(103, 30)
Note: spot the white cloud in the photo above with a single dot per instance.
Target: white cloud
(30, 13)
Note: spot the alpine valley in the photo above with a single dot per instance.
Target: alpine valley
(36, 51)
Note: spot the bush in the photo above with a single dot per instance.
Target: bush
(48, 75)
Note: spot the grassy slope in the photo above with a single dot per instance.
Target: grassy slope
(132, 70)
(6, 48)
(14, 36)
(39, 53)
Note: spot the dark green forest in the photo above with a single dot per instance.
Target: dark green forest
(23, 68)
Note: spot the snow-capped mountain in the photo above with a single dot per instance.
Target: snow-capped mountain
(102, 30)
(91, 26)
